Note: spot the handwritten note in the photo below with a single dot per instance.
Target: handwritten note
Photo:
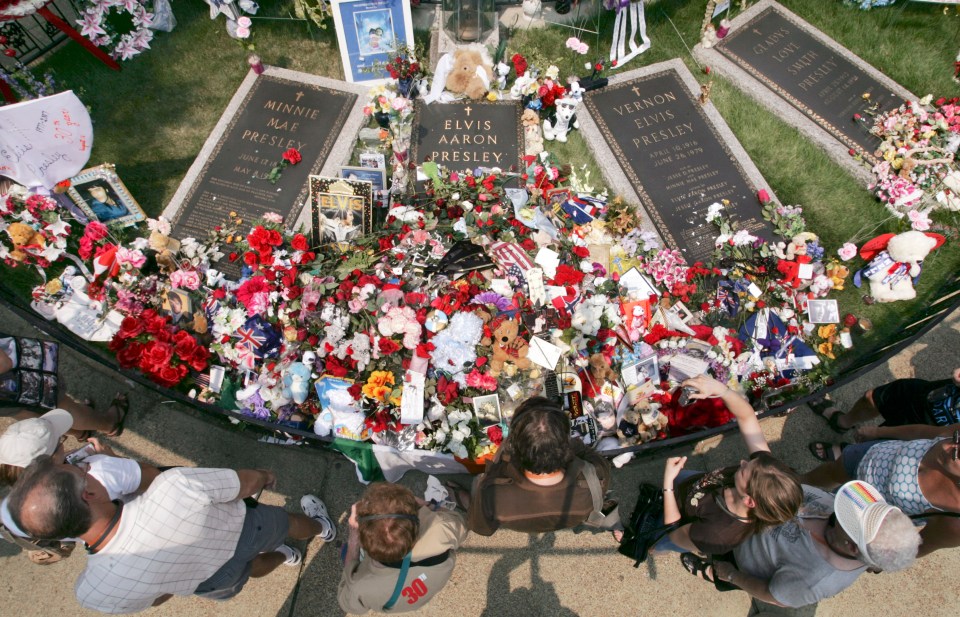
(45, 140)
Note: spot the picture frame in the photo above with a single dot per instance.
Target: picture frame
(340, 210)
(375, 160)
(377, 177)
(487, 409)
(102, 196)
(823, 311)
(368, 33)
(178, 305)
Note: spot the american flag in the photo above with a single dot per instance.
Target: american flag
(511, 254)
(515, 272)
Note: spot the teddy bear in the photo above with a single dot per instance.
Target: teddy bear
(600, 369)
(296, 382)
(508, 346)
(455, 347)
(165, 248)
(838, 273)
(471, 72)
(24, 237)
(532, 135)
(628, 429)
(709, 37)
(652, 422)
(561, 120)
(895, 263)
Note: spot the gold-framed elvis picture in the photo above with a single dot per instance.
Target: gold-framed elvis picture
(102, 196)
(340, 209)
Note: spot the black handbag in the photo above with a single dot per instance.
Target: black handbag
(644, 529)
(33, 379)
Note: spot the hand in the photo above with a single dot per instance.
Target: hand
(352, 521)
(101, 448)
(706, 386)
(269, 478)
(724, 570)
(956, 377)
(865, 433)
(672, 470)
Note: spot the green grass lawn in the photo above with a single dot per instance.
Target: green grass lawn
(152, 118)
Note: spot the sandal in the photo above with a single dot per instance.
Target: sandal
(697, 566)
(821, 408)
(824, 450)
(121, 405)
(460, 495)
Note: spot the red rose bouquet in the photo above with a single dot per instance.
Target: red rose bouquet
(162, 352)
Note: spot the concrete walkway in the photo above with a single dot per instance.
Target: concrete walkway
(509, 574)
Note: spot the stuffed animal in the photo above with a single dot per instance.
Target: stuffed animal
(521, 85)
(709, 37)
(838, 273)
(600, 370)
(455, 347)
(508, 346)
(628, 430)
(471, 72)
(895, 263)
(561, 120)
(652, 422)
(532, 135)
(166, 249)
(501, 70)
(24, 238)
(296, 382)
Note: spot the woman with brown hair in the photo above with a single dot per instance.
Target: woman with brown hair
(720, 509)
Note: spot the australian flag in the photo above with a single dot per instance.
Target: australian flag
(259, 337)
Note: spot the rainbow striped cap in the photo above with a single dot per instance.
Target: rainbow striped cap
(860, 510)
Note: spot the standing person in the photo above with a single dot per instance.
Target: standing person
(915, 467)
(540, 479)
(900, 402)
(720, 509)
(410, 551)
(817, 555)
(189, 533)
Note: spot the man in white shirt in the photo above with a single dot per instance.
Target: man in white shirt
(189, 533)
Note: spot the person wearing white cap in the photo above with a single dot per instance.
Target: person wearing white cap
(820, 553)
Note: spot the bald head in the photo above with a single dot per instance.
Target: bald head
(47, 501)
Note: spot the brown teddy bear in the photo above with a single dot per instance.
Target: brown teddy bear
(507, 345)
(465, 76)
(838, 273)
(166, 248)
(532, 133)
(23, 236)
(601, 371)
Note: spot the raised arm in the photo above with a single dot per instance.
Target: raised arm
(907, 432)
(708, 387)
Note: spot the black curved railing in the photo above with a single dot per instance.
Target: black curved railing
(947, 300)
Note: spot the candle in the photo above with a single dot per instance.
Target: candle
(256, 64)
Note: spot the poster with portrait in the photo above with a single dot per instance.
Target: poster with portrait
(369, 33)
(102, 196)
(177, 304)
(340, 210)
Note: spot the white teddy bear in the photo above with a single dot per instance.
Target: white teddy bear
(893, 269)
(455, 348)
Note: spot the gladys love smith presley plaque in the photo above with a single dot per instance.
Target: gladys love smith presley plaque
(675, 159)
(819, 78)
(275, 115)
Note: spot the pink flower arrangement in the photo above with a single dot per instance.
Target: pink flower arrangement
(401, 320)
(254, 294)
(848, 251)
(185, 279)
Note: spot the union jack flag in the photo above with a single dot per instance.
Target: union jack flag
(250, 338)
(511, 254)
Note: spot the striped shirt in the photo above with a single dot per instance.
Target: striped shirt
(169, 540)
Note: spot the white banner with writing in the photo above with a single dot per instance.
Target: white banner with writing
(45, 140)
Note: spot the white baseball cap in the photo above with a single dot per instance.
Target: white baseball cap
(27, 439)
(860, 510)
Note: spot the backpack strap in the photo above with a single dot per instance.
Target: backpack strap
(597, 518)
(401, 579)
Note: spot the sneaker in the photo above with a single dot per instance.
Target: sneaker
(313, 507)
(292, 554)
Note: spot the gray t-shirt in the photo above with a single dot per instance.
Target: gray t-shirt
(787, 557)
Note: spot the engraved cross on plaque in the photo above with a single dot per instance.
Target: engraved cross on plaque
(467, 109)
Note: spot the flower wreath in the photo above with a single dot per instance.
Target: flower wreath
(99, 24)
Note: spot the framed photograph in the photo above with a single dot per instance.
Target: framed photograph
(340, 209)
(680, 310)
(102, 196)
(376, 177)
(487, 408)
(369, 33)
(823, 311)
(374, 160)
(177, 304)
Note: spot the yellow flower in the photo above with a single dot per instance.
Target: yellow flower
(827, 331)
(378, 386)
(491, 96)
(897, 163)
(826, 349)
